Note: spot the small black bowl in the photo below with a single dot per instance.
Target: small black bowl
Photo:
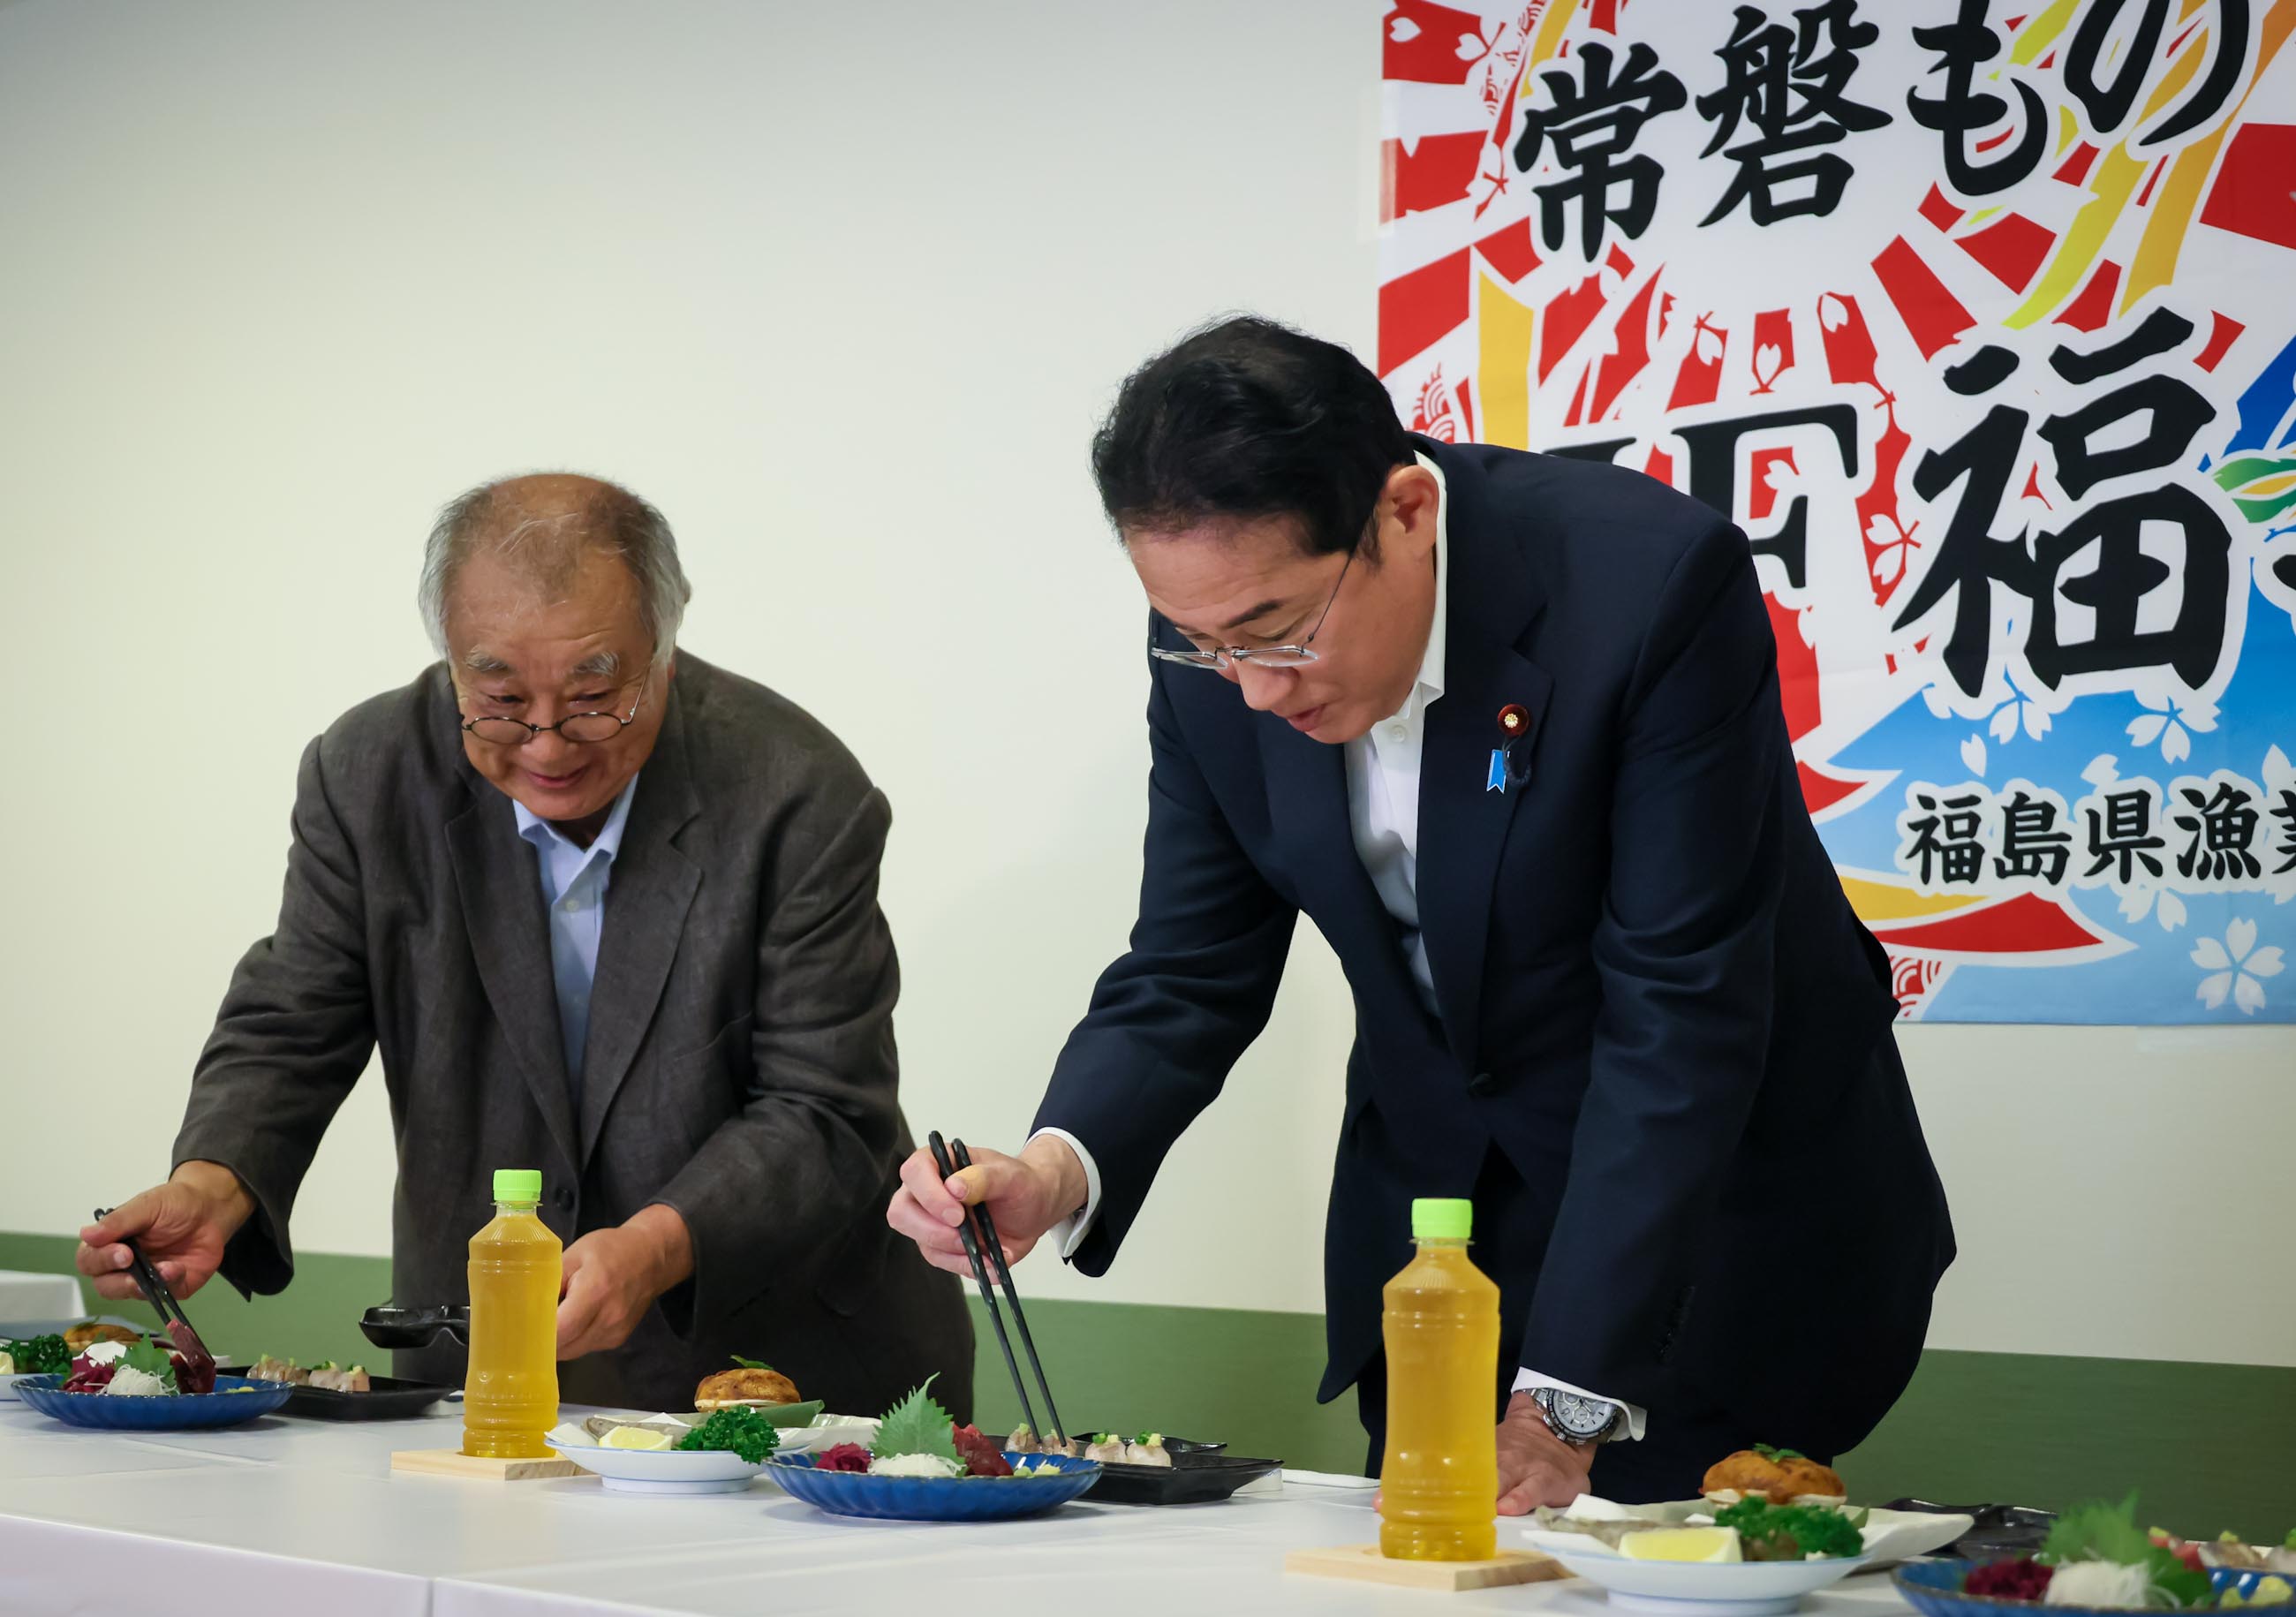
(397, 1328)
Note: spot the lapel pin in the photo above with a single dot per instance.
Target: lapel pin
(1514, 724)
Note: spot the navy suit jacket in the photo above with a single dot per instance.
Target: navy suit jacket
(1654, 999)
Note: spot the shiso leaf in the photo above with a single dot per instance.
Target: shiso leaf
(752, 1364)
(2098, 1531)
(917, 1425)
(153, 1361)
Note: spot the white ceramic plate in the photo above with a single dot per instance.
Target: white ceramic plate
(1891, 1535)
(663, 1470)
(1680, 1588)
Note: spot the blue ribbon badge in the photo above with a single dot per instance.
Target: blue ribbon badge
(1497, 780)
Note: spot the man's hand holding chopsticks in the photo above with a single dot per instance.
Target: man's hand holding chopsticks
(182, 1226)
(1026, 1195)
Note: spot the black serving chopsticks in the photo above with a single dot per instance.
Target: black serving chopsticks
(163, 1304)
(952, 1159)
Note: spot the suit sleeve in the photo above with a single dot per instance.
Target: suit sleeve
(1684, 952)
(294, 1033)
(788, 1176)
(1169, 1018)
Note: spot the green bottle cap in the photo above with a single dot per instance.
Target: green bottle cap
(1441, 1219)
(518, 1185)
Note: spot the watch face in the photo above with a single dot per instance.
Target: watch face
(1582, 1417)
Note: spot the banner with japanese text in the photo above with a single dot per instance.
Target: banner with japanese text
(1979, 319)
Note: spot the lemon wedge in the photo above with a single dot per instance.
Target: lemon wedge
(1682, 1544)
(637, 1437)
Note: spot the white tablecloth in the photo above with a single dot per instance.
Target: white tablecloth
(282, 1515)
(28, 1296)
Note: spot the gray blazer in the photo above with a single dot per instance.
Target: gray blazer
(740, 1067)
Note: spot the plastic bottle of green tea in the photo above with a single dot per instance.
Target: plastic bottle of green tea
(510, 1397)
(1439, 1477)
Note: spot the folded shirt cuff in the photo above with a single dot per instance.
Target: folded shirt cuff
(1529, 1381)
(1069, 1233)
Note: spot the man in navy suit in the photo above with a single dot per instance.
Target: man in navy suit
(1506, 727)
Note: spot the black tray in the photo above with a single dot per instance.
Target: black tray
(387, 1398)
(1998, 1529)
(1200, 1473)
(1194, 1477)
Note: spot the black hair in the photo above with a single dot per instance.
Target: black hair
(1248, 419)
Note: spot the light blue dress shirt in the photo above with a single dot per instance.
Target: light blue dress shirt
(574, 896)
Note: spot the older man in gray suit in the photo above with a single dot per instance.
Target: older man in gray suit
(608, 911)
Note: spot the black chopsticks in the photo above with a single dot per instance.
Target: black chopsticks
(172, 1318)
(995, 1248)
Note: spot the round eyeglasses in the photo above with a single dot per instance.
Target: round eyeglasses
(585, 727)
(1262, 656)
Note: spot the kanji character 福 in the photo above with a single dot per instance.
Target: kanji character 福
(1947, 838)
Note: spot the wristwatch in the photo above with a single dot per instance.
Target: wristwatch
(1579, 1421)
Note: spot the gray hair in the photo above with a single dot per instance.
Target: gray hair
(612, 521)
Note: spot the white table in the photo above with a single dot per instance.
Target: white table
(282, 1515)
(24, 1295)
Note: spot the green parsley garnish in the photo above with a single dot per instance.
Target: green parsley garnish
(1792, 1532)
(737, 1428)
(39, 1355)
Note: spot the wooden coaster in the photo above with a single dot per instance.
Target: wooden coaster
(454, 1463)
(1364, 1561)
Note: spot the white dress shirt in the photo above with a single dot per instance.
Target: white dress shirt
(574, 896)
(1384, 813)
(1383, 780)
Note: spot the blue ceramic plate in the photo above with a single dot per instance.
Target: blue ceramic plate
(1934, 1589)
(856, 1493)
(197, 1411)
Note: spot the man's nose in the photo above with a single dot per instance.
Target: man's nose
(1263, 687)
(547, 750)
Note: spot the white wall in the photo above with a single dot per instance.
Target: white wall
(843, 289)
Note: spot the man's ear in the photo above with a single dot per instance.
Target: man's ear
(1410, 506)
